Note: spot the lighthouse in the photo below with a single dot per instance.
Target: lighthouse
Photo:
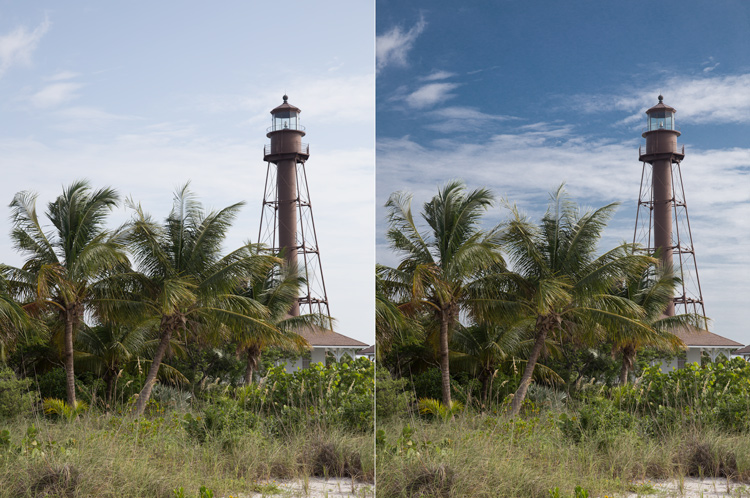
(287, 226)
(662, 224)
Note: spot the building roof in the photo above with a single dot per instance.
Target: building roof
(661, 106)
(286, 106)
(692, 336)
(370, 350)
(745, 350)
(318, 337)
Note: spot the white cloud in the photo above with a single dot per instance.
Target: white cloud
(710, 68)
(392, 47)
(55, 94)
(460, 119)
(17, 46)
(430, 94)
(698, 100)
(438, 75)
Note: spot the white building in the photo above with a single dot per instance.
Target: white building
(368, 353)
(743, 353)
(322, 342)
(698, 342)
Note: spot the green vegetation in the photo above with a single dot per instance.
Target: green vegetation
(551, 391)
(141, 361)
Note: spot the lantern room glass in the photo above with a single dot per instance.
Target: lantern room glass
(286, 120)
(661, 120)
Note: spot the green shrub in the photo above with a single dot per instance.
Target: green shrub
(15, 398)
(340, 394)
(712, 395)
(392, 398)
(52, 384)
(58, 408)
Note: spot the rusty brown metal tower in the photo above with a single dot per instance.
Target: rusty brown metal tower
(286, 221)
(662, 224)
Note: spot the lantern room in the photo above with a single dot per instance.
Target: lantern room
(661, 117)
(285, 117)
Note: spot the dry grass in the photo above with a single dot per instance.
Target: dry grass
(485, 456)
(105, 457)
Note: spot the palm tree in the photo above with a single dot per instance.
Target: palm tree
(559, 283)
(490, 348)
(392, 325)
(184, 284)
(653, 291)
(13, 320)
(69, 267)
(109, 349)
(278, 291)
(442, 270)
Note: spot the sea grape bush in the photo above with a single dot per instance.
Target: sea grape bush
(340, 394)
(714, 394)
(15, 397)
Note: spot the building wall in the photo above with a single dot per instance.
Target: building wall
(317, 355)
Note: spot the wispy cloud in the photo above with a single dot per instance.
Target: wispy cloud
(430, 94)
(17, 46)
(460, 119)
(393, 47)
(710, 65)
(698, 100)
(438, 75)
(55, 94)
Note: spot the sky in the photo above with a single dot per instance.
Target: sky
(523, 96)
(145, 96)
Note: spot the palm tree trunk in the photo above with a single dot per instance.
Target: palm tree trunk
(444, 357)
(70, 379)
(485, 379)
(253, 352)
(628, 359)
(520, 395)
(109, 378)
(624, 372)
(145, 394)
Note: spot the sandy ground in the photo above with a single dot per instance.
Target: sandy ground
(317, 487)
(696, 488)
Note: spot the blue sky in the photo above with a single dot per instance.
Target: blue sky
(523, 96)
(144, 96)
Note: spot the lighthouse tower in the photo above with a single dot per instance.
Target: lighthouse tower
(662, 225)
(286, 221)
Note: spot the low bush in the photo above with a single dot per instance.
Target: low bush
(15, 398)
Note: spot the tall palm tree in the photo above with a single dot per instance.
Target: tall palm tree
(443, 269)
(183, 283)
(70, 266)
(278, 291)
(560, 284)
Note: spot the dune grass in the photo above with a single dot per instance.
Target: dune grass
(483, 455)
(104, 455)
